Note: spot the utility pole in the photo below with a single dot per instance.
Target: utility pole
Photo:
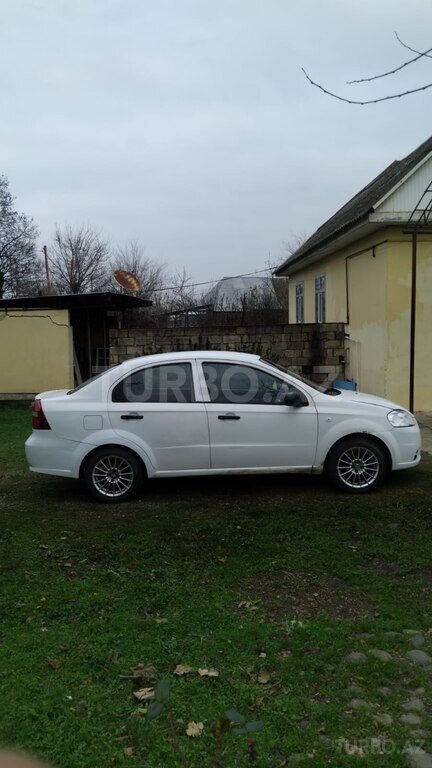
(48, 282)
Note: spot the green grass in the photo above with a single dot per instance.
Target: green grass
(209, 573)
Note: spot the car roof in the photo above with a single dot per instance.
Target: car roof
(163, 357)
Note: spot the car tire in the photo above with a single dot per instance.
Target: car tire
(357, 465)
(113, 475)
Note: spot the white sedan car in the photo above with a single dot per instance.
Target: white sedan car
(215, 413)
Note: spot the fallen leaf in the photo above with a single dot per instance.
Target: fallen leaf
(262, 655)
(249, 672)
(129, 751)
(248, 604)
(183, 669)
(195, 729)
(145, 672)
(208, 673)
(144, 694)
(161, 621)
(54, 663)
(263, 677)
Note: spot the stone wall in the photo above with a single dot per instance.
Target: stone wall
(314, 350)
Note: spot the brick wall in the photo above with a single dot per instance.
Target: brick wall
(313, 350)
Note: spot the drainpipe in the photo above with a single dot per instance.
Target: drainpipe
(413, 320)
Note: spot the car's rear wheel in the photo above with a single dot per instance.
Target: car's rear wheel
(357, 465)
(113, 474)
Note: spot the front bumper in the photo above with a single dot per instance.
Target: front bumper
(406, 444)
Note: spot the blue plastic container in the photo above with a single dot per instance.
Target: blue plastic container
(344, 384)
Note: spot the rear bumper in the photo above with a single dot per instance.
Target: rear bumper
(52, 455)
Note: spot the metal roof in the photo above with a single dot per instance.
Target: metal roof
(229, 289)
(113, 301)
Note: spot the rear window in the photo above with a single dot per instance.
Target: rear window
(90, 380)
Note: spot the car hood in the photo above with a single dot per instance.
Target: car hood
(363, 397)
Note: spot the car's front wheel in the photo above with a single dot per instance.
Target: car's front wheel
(357, 465)
(113, 474)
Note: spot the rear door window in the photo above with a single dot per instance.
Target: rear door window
(170, 383)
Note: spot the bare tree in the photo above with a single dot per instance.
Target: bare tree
(20, 269)
(181, 293)
(79, 260)
(419, 55)
(290, 246)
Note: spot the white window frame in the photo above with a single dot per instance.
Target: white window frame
(299, 301)
(320, 303)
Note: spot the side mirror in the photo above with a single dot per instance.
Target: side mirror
(295, 400)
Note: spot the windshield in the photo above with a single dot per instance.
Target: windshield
(313, 384)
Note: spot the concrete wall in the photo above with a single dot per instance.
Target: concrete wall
(35, 351)
(312, 349)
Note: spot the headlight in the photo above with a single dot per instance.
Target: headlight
(400, 418)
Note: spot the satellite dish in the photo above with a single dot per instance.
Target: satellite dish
(127, 280)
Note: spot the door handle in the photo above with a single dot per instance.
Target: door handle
(228, 417)
(131, 416)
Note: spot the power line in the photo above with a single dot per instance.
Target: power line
(207, 282)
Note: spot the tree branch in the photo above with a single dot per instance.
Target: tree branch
(392, 71)
(413, 50)
(369, 101)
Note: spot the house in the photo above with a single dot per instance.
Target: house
(53, 342)
(370, 266)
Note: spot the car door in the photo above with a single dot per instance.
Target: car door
(250, 425)
(156, 407)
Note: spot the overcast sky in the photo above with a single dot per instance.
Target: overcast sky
(189, 126)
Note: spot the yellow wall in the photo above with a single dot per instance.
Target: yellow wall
(334, 269)
(367, 321)
(398, 327)
(36, 351)
(379, 308)
(398, 324)
(423, 368)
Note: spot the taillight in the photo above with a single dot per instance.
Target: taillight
(39, 418)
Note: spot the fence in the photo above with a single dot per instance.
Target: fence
(315, 350)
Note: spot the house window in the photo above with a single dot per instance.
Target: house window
(299, 294)
(320, 299)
